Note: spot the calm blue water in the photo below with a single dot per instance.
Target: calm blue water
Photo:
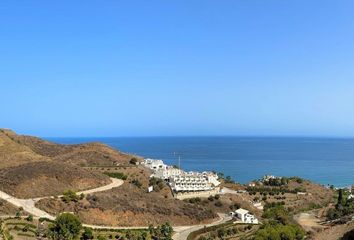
(326, 161)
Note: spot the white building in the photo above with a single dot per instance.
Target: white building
(266, 178)
(189, 182)
(251, 184)
(350, 196)
(154, 164)
(212, 178)
(244, 216)
(150, 189)
(181, 181)
(192, 182)
(166, 173)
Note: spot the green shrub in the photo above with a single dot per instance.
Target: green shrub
(118, 175)
(218, 204)
(136, 182)
(133, 161)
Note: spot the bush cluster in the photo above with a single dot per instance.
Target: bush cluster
(118, 175)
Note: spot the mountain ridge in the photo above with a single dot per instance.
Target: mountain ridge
(33, 167)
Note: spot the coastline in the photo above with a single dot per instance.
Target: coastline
(325, 161)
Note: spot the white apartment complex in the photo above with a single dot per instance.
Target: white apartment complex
(189, 182)
(181, 181)
(167, 172)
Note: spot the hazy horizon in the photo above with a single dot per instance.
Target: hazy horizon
(203, 136)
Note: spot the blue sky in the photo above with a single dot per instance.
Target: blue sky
(151, 68)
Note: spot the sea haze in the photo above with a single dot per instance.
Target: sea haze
(323, 160)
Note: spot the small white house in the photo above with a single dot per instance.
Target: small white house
(251, 184)
(154, 164)
(245, 216)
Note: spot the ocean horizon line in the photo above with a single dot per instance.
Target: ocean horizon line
(211, 136)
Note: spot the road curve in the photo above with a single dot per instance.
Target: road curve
(29, 204)
(182, 232)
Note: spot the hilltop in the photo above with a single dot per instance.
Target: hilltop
(36, 149)
(32, 167)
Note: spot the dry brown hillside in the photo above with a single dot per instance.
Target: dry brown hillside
(88, 154)
(46, 169)
(47, 178)
(7, 208)
(131, 205)
(13, 153)
(32, 167)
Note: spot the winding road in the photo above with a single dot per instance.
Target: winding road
(28, 205)
(182, 232)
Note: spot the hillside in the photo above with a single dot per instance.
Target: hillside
(131, 205)
(6, 208)
(47, 178)
(88, 154)
(32, 167)
(13, 153)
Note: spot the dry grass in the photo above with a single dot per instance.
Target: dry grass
(32, 167)
(47, 178)
(7, 208)
(130, 205)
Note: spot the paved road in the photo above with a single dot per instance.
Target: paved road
(29, 204)
(182, 232)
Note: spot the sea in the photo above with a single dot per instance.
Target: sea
(327, 161)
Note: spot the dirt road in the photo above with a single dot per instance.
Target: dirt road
(182, 232)
(29, 204)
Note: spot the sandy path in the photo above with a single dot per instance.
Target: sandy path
(182, 232)
(308, 221)
(29, 204)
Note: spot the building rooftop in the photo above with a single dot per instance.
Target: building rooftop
(241, 211)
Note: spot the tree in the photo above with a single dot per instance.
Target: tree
(70, 196)
(340, 198)
(87, 234)
(166, 231)
(65, 227)
(221, 232)
(133, 161)
(162, 232)
(18, 214)
(228, 179)
(136, 182)
(30, 218)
